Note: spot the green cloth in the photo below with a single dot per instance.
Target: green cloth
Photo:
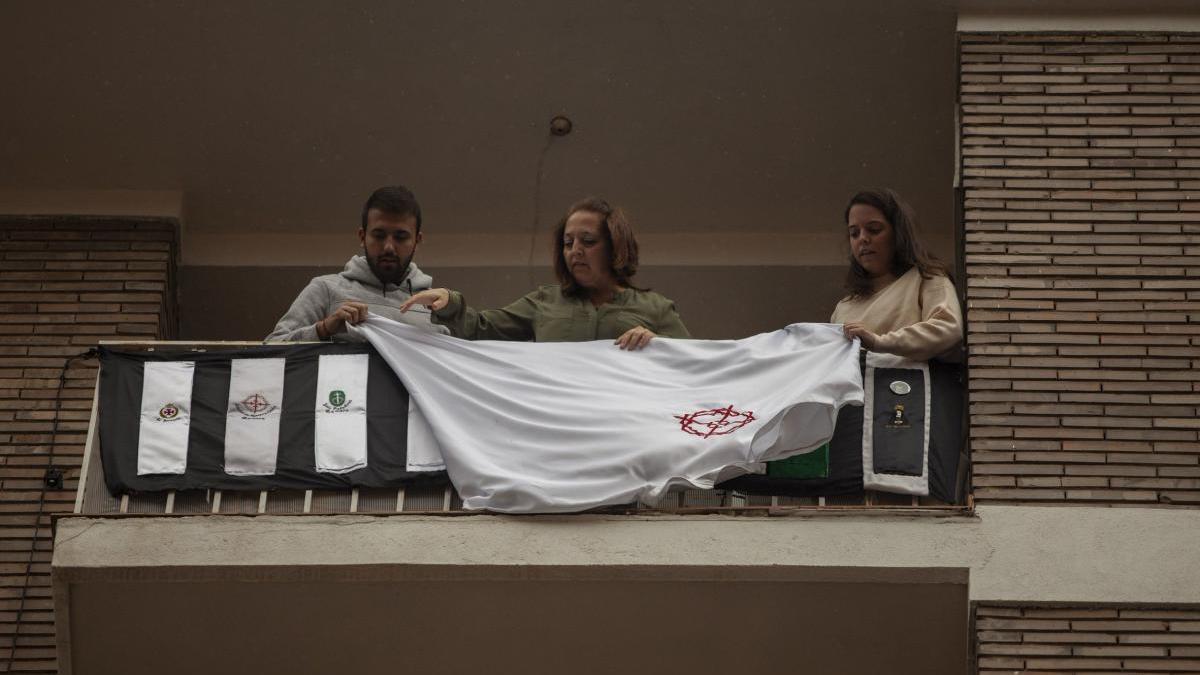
(812, 464)
(546, 315)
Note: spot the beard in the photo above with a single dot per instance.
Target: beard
(388, 276)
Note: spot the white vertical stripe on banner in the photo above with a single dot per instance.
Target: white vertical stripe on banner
(166, 417)
(341, 413)
(252, 416)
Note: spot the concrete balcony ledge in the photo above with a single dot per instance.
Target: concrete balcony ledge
(1005, 553)
(590, 593)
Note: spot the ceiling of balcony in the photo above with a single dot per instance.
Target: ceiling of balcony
(279, 117)
(274, 119)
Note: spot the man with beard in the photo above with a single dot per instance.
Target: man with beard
(379, 281)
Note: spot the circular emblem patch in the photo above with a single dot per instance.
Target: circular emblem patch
(168, 411)
(715, 422)
(899, 387)
(338, 403)
(255, 406)
(255, 403)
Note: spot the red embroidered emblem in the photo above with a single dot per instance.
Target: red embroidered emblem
(255, 405)
(715, 422)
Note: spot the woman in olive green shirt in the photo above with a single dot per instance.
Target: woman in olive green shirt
(595, 256)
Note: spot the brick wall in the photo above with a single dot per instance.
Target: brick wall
(1081, 639)
(1081, 177)
(64, 285)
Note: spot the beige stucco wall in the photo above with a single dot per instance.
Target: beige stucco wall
(1019, 16)
(851, 593)
(1013, 553)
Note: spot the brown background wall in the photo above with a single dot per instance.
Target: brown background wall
(760, 117)
(64, 285)
(711, 122)
(243, 303)
(1081, 169)
(531, 624)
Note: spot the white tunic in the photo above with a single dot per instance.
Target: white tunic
(550, 427)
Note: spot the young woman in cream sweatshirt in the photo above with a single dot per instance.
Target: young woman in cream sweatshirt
(901, 299)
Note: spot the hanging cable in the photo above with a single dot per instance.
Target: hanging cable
(537, 208)
(560, 125)
(53, 478)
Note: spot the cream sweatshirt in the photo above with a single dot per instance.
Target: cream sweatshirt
(914, 317)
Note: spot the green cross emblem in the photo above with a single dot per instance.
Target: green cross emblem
(337, 398)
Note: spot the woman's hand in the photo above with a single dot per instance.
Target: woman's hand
(349, 312)
(855, 329)
(433, 298)
(635, 338)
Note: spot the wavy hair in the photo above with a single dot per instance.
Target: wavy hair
(618, 234)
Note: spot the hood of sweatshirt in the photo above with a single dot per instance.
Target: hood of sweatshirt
(358, 270)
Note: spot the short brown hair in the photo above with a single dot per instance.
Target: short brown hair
(394, 200)
(618, 234)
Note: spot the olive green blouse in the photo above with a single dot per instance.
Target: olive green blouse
(546, 315)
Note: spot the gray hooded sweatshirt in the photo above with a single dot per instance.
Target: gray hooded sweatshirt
(357, 282)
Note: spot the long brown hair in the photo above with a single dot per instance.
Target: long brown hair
(909, 251)
(618, 234)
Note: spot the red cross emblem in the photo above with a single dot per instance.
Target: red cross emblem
(715, 422)
(255, 403)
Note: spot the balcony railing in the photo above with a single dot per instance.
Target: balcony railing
(431, 496)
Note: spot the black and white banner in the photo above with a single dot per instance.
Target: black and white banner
(895, 445)
(532, 427)
(910, 443)
(276, 416)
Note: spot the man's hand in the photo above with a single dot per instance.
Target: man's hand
(433, 298)
(351, 312)
(635, 338)
(855, 329)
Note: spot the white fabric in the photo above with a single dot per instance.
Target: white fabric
(166, 417)
(252, 416)
(340, 443)
(888, 482)
(545, 427)
(422, 451)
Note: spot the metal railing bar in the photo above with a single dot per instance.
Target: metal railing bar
(88, 446)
